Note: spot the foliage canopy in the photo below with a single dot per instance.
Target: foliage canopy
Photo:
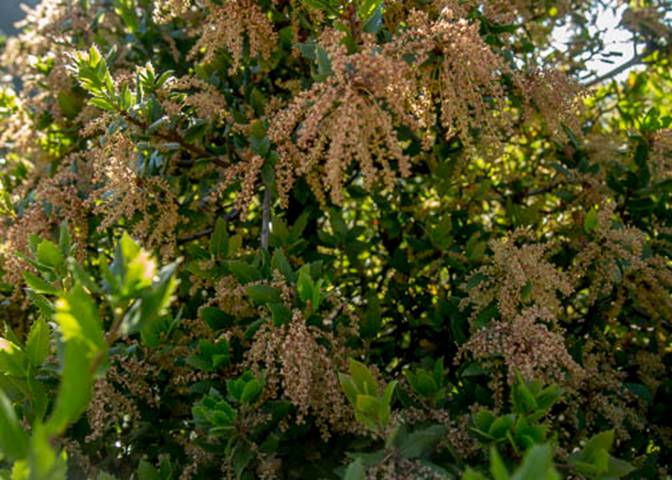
(351, 239)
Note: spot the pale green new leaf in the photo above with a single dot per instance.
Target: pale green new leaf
(13, 440)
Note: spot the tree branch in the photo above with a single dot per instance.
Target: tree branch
(636, 60)
(266, 218)
(175, 137)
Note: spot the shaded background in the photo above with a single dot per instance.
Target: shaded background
(10, 12)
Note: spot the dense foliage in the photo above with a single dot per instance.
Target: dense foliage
(349, 239)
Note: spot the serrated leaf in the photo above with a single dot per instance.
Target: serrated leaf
(37, 343)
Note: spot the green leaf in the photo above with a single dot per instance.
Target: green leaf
(77, 317)
(280, 314)
(49, 254)
(74, 392)
(279, 262)
(102, 103)
(44, 462)
(618, 468)
(537, 464)
(348, 387)
(601, 441)
(305, 285)
(42, 303)
(263, 294)
(37, 343)
(323, 63)
(355, 471)
(147, 471)
(471, 474)
(38, 285)
(373, 21)
(421, 442)
(521, 397)
(219, 241)
(372, 320)
(251, 392)
(501, 426)
(590, 221)
(363, 378)
(243, 272)
(155, 302)
(13, 360)
(242, 456)
(497, 467)
(13, 440)
(483, 419)
(423, 383)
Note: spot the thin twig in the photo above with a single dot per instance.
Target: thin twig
(207, 231)
(266, 218)
(636, 60)
(174, 137)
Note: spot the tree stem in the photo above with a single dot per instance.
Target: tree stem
(266, 218)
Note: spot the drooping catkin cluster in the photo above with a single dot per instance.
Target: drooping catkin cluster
(553, 98)
(351, 115)
(459, 72)
(517, 276)
(147, 202)
(527, 345)
(615, 259)
(192, 92)
(115, 396)
(231, 24)
(299, 367)
(661, 154)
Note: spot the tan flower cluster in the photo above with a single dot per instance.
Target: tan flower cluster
(602, 393)
(230, 297)
(63, 194)
(515, 276)
(436, 62)
(554, 98)
(527, 346)
(123, 194)
(661, 154)
(465, 82)
(302, 369)
(201, 96)
(615, 259)
(115, 396)
(49, 30)
(352, 115)
(246, 171)
(34, 221)
(235, 25)
(395, 467)
(166, 10)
